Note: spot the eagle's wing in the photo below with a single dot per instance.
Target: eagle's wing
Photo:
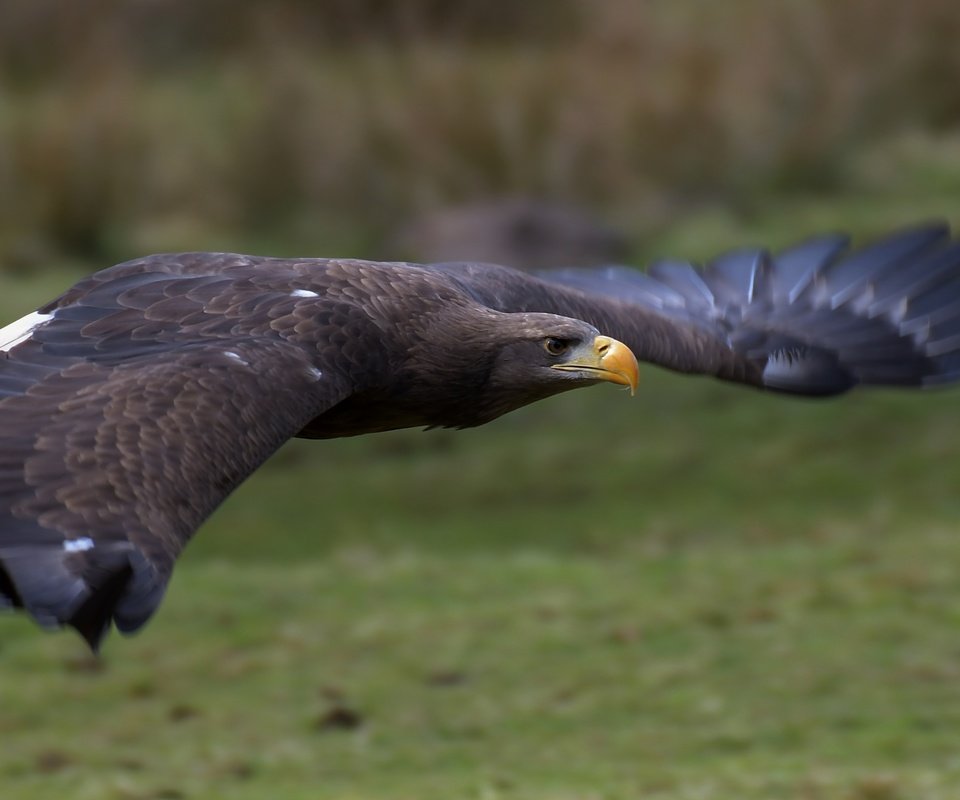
(812, 319)
(118, 438)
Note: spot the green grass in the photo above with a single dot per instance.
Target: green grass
(715, 671)
(702, 592)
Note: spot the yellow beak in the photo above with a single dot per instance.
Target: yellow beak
(604, 359)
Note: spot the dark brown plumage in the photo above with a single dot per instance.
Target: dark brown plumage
(134, 403)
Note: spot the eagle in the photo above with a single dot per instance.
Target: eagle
(136, 401)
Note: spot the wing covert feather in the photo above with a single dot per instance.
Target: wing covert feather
(107, 469)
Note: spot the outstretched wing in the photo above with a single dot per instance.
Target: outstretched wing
(119, 435)
(813, 319)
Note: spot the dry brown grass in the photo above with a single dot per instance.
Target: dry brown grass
(148, 128)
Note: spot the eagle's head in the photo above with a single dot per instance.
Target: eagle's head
(498, 362)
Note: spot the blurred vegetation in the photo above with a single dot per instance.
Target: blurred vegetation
(294, 125)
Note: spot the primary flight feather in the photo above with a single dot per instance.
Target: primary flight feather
(135, 402)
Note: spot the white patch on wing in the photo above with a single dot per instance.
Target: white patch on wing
(21, 330)
(303, 293)
(314, 373)
(236, 357)
(78, 545)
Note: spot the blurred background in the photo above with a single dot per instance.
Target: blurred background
(705, 592)
(330, 127)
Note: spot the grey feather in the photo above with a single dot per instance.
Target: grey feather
(887, 314)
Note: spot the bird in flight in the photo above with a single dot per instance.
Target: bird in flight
(136, 401)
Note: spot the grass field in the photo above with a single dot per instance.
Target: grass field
(702, 592)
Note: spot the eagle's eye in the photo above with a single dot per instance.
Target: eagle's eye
(555, 346)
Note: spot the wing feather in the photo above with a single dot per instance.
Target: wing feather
(141, 401)
(132, 458)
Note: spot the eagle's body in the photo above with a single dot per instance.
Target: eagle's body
(131, 405)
